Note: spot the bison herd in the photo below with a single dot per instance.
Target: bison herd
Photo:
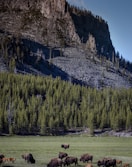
(63, 159)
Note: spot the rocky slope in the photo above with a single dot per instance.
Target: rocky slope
(78, 64)
(73, 64)
(60, 40)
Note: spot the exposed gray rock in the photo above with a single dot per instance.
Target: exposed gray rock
(77, 64)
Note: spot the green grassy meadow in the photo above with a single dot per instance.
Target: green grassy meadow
(45, 148)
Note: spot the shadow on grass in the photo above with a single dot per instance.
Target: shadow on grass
(7, 166)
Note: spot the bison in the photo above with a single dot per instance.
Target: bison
(82, 156)
(65, 146)
(1, 156)
(29, 158)
(70, 160)
(1, 160)
(103, 161)
(100, 163)
(62, 155)
(11, 159)
(86, 158)
(55, 162)
(110, 162)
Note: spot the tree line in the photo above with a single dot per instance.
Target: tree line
(42, 105)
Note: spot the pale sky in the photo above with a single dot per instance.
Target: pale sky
(118, 15)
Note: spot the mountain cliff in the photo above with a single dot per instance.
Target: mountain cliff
(54, 22)
(42, 36)
(45, 21)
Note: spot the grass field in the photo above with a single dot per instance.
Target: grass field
(45, 148)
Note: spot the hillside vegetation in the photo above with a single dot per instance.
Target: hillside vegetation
(59, 70)
(37, 105)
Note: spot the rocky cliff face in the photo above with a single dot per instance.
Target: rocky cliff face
(58, 40)
(47, 21)
(50, 8)
(54, 22)
(86, 23)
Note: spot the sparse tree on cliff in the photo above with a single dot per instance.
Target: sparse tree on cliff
(91, 44)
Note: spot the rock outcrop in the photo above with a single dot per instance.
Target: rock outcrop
(47, 21)
(54, 22)
(74, 44)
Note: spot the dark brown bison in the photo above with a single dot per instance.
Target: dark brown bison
(100, 163)
(70, 160)
(110, 162)
(86, 158)
(103, 161)
(65, 146)
(82, 156)
(29, 158)
(1, 156)
(62, 155)
(55, 162)
(1, 160)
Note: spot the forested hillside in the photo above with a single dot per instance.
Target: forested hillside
(37, 105)
(72, 75)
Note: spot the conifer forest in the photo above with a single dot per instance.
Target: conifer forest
(43, 105)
